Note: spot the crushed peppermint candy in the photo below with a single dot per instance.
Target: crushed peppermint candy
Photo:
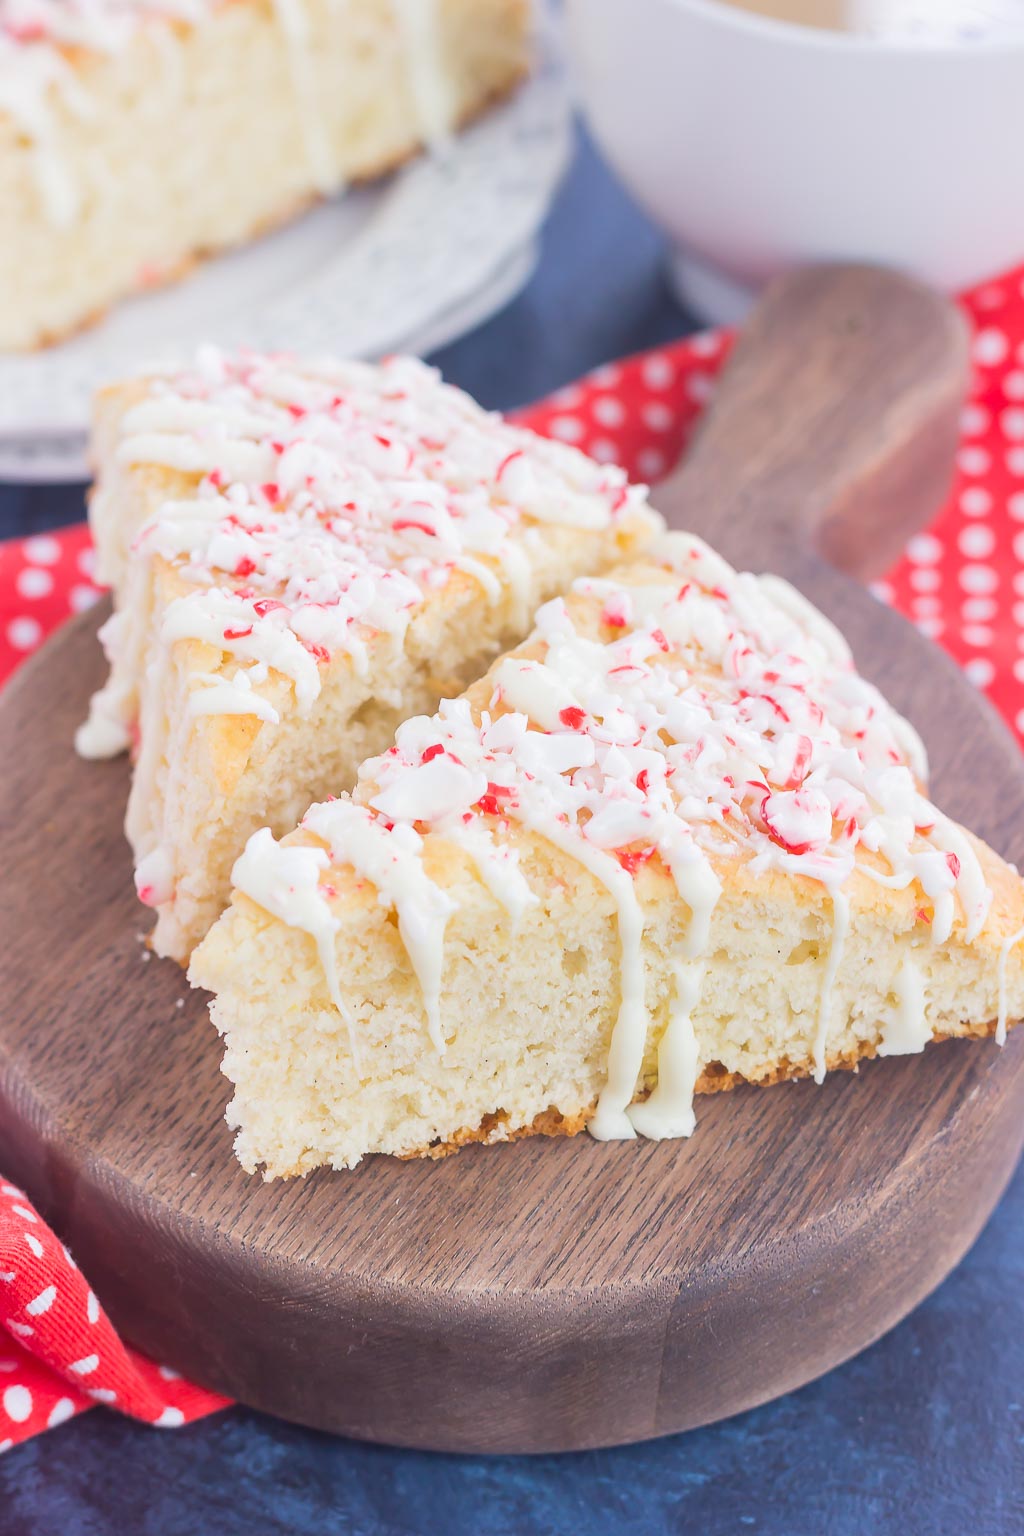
(330, 500)
(682, 715)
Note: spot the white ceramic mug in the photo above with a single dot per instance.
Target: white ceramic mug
(759, 145)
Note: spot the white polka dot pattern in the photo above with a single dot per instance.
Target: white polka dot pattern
(961, 582)
(43, 581)
(60, 1354)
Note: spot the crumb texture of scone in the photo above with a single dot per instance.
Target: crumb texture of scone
(137, 135)
(670, 843)
(302, 555)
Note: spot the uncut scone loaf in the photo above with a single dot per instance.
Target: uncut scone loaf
(671, 842)
(136, 135)
(303, 554)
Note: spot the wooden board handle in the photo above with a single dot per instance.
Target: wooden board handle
(835, 423)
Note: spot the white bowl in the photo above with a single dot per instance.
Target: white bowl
(759, 145)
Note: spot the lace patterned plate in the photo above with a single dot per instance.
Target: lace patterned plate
(409, 264)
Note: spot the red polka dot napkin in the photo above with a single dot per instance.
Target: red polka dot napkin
(961, 582)
(60, 1353)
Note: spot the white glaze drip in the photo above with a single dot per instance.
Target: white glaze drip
(107, 731)
(394, 865)
(1004, 955)
(293, 20)
(629, 1033)
(230, 696)
(154, 877)
(668, 1113)
(228, 624)
(27, 88)
(285, 882)
(907, 1031)
(685, 724)
(37, 76)
(975, 896)
(837, 942)
(333, 498)
(433, 93)
(496, 863)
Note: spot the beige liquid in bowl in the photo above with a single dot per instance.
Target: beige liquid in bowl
(924, 21)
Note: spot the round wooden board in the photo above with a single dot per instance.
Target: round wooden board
(542, 1295)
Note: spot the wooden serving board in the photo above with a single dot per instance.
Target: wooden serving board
(547, 1294)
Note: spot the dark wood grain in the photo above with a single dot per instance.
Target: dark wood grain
(547, 1294)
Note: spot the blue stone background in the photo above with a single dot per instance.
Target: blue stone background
(922, 1435)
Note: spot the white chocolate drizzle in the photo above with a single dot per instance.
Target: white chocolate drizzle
(154, 877)
(285, 882)
(393, 863)
(330, 502)
(907, 1030)
(668, 1113)
(293, 21)
(218, 694)
(837, 940)
(107, 731)
(433, 93)
(1004, 954)
(629, 1033)
(680, 718)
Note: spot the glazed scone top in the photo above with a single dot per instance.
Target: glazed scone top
(40, 40)
(680, 715)
(326, 501)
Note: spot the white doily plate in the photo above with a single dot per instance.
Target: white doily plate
(406, 265)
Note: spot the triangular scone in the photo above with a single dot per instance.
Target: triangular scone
(303, 555)
(671, 843)
(137, 136)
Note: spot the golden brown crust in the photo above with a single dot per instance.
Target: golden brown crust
(493, 1128)
(714, 1079)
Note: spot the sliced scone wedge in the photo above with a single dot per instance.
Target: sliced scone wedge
(671, 843)
(303, 555)
(138, 136)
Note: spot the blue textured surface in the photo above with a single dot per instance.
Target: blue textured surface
(922, 1435)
